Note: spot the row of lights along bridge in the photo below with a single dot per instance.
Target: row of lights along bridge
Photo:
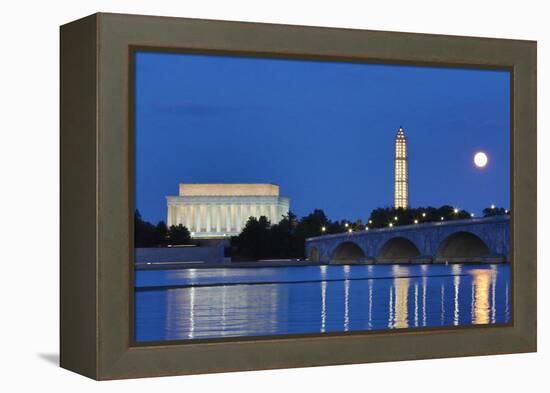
(396, 219)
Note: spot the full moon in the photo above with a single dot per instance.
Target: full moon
(480, 159)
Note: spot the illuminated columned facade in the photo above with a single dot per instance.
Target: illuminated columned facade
(401, 196)
(220, 210)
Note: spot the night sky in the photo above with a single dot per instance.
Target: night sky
(323, 131)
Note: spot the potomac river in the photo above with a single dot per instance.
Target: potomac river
(182, 304)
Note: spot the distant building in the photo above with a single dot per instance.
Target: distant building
(221, 210)
(401, 195)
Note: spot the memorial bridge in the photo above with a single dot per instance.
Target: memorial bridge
(457, 241)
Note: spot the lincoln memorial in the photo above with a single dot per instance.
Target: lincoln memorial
(219, 210)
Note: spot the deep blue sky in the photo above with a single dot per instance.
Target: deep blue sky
(323, 131)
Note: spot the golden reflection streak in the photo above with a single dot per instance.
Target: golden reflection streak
(482, 284)
(401, 297)
(390, 309)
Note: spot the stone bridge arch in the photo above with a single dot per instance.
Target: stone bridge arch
(462, 245)
(347, 251)
(398, 247)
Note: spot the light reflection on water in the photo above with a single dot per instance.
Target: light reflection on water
(296, 300)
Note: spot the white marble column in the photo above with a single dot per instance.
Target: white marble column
(227, 218)
(208, 214)
(180, 216)
(244, 218)
(273, 214)
(245, 213)
(239, 215)
(184, 215)
(234, 221)
(204, 217)
(259, 210)
(192, 217)
(198, 218)
(170, 217)
(218, 211)
(187, 217)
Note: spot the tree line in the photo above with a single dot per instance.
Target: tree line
(261, 239)
(149, 235)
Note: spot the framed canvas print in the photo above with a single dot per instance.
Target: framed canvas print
(241, 196)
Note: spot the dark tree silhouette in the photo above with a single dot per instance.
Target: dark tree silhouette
(179, 235)
(149, 235)
(145, 233)
(254, 242)
(383, 217)
(285, 239)
(495, 211)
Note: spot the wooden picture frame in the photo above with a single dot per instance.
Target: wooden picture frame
(97, 195)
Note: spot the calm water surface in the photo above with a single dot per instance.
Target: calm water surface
(232, 302)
